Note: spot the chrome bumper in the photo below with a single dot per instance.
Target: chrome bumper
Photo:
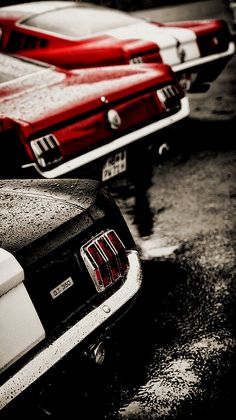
(204, 60)
(50, 355)
(119, 143)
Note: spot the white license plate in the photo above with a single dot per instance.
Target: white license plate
(61, 288)
(114, 165)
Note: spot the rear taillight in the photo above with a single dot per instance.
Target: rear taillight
(119, 247)
(105, 258)
(136, 60)
(213, 37)
(169, 97)
(212, 44)
(46, 150)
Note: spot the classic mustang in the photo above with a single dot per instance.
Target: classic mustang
(71, 34)
(56, 121)
(68, 270)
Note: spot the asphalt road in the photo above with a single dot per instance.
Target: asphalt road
(182, 215)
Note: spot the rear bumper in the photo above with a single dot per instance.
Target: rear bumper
(117, 144)
(198, 62)
(50, 355)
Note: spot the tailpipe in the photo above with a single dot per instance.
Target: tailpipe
(163, 149)
(97, 352)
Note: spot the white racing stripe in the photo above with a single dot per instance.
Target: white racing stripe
(20, 326)
(207, 59)
(165, 38)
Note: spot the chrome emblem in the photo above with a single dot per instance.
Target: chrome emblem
(114, 119)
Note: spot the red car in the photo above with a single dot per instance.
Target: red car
(79, 34)
(56, 121)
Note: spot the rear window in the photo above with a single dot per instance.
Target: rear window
(81, 21)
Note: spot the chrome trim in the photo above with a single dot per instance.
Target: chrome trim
(114, 119)
(49, 356)
(91, 263)
(44, 146)
(123, 141)
(203, 60)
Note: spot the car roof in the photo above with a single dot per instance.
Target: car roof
(36, 7)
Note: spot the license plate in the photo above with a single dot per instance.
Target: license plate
(114, 165)
(61, 288)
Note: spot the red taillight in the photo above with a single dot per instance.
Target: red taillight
(110, 254)
(101, 269)
(212, 44)
(213, 37)
(105, 258)
(118, 245)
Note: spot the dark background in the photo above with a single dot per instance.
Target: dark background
(120, 4)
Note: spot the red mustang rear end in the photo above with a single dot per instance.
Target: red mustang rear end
(56, 121)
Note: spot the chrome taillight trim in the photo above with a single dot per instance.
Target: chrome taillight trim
(46, 149)
(93, 266)
(136, 60)
(169, 97)
(71, 338)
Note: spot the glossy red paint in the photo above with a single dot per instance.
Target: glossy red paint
(72, 105)
(38, 30)
(212, 35)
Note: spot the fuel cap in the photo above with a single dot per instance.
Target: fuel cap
(114, 119)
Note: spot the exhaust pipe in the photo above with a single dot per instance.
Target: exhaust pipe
(96, 352)
(163, 149)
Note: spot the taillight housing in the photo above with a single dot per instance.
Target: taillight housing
(169, 97)
(106, 259)
(46, 150)
(213, 37)
(136, 60)
(212, 44)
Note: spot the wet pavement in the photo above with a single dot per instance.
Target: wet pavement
(189, 261)
(182, 215)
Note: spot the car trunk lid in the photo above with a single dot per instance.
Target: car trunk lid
(170, 41)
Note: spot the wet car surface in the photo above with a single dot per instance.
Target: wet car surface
(54, 121)
(55, 32)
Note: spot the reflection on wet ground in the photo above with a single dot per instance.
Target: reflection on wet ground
(173, 357)
(190, 368)
(132, 195)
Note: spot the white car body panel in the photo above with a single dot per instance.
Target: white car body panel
(20, 326)
(166, 39)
